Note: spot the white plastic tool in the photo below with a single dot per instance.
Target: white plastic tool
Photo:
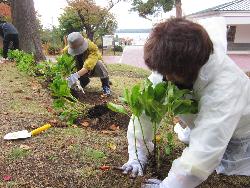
(25, 134)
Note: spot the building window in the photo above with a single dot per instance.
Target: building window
(231, 30)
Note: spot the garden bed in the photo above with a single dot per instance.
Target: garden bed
(71, 156)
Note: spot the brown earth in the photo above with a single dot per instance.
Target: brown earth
(72, 156)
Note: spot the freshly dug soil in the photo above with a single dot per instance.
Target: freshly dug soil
(100, 117)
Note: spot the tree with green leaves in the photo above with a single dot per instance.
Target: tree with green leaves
(85, 15)
(152, 7)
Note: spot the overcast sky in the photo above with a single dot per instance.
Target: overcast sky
(51, 9)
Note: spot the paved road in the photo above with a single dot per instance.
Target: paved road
(133, 55)
(243, 61)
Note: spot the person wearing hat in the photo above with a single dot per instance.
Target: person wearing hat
(89, 62)
(10, 36)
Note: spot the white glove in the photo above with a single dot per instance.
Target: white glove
(72, 79)
(183, 134)
(134, 167)
(151, 183)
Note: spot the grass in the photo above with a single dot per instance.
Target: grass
(122, 76)
(53, 158)
(10, 184)
(127, 70)
(21, 90)
(18, 153)
(110, 52)
(70, 157)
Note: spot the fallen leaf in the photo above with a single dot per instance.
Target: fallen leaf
(18, 91)
(104, 168)
(114, 127)
(25, 147)
(50, 109)
(33, 126)
(53, 121)
(112, 146)
(35, 86)
(28, 98)
(74, 126)
(85, 124)
(6, 178)
(107, 132)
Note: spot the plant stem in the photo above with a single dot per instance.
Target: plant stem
(143, 137)
(136, 151)
(155, 152)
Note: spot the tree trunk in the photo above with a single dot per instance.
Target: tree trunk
(90, 35)
(24, 18)
(178, 8)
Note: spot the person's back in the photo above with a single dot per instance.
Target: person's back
(9, 28)
(10, 37)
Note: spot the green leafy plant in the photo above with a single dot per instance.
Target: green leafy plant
(160, 102)
(25, 62)
(65, 66)
(46, 69)
(64, 103)
(1, 52)
(67, 105)
(118, 48)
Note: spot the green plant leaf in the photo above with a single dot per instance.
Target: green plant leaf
(117, 108)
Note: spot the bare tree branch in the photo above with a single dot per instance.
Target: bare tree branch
(112, 3)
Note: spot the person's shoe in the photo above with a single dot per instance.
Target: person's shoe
(106, 90)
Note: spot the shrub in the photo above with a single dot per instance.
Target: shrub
(64, 103)
(53, 50)
(118, 49)
(1, 52)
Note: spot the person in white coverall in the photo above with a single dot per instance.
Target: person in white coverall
(194, 56)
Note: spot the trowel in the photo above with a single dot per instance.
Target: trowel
(25, 134)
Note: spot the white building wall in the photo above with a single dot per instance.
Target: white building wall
(242, 34)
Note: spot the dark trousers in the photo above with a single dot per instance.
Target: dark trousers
(99, 71)
(10, 41)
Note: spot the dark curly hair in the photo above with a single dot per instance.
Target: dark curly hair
(178, 47)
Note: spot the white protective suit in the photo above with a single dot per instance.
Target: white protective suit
(220, 132)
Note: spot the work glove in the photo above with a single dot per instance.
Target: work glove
(72, 79)
(151, 183)
(183, 133)
(134, 167)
